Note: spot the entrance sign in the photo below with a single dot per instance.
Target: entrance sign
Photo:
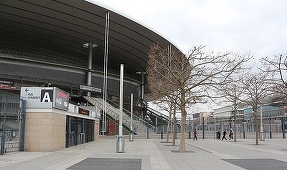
(45, 98)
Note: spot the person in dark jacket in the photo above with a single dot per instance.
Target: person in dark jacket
(223, 135)
(230, 134)
(218, 133)
(194, 135)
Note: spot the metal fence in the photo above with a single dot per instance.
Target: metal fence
(9, 122)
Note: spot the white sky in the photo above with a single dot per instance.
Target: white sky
(256, 26)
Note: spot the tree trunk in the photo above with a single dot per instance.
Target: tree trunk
(235, 129)
(168, 125)
(182, 131)
(174, 129)
(256, 126)
(234, 126)
(182, 122)
(174, 125)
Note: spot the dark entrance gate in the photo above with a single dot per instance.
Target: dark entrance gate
(79, 130)
(9, 122)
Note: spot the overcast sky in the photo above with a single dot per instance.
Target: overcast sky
(256, 26)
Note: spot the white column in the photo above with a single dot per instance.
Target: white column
(121, 100)
(261, 125)
(132, 109)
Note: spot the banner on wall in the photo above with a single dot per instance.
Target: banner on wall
(45, 97)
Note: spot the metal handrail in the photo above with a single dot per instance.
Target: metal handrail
(135, 117)
(111, 110)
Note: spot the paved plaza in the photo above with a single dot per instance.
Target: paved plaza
(156, 154)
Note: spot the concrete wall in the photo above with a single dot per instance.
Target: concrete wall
(96, 130)
(45, 131)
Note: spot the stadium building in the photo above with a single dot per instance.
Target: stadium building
(69, 52)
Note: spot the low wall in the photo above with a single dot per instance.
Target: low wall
(44, 131)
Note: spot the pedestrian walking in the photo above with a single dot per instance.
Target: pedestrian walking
(230, 134)
(194, 134)
(218, 133)
(223, 135)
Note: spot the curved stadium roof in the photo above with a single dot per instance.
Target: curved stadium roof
(54, 31)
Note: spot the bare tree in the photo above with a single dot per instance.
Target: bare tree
(256, 89)
(168, 103)
(277, 66)
(232, 92)
(280, 64)
(191, 76)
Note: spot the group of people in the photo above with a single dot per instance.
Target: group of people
(218, 133)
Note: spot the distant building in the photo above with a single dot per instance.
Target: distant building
(227, 112)
(198, 117)
(268, 111)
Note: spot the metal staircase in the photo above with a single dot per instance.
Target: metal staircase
(138, 124)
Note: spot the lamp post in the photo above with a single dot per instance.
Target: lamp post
(120, 146)
(261, 125)
(131, 125)
(142, 92)
(283, 126)
(203, 127)
(189, 130)
(148, 120)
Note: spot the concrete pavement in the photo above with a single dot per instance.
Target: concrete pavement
(156, 154)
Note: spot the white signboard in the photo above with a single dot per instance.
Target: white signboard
(44, 97)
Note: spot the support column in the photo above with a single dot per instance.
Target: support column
(90, 61)
(4, 107)
(90, 46)
(69, 131)
(22, 124)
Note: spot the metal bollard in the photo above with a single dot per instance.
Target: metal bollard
(120, 147)
(131, 136)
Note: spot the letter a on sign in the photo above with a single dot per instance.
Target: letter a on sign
(46, 97)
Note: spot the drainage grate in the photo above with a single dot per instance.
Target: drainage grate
(255, 164)
(107, 164)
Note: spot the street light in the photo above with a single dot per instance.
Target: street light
(148, 120)
(131, 125)
(120, 143)
(142, 92)
(261, 124)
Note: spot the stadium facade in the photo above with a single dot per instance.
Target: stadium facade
(77, 47)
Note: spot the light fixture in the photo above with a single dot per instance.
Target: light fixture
(86, 45)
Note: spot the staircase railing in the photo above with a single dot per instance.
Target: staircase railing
(138, 124)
